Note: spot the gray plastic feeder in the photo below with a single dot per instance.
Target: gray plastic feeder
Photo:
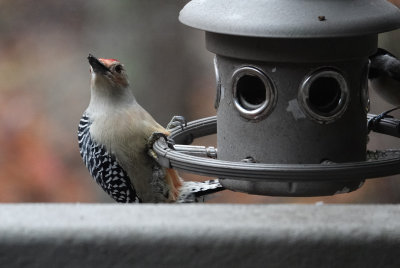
(292, 83)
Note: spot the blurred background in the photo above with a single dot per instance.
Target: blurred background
(44, 90)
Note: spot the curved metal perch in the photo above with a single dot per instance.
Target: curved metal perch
(196, 159)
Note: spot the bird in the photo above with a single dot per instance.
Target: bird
(384, 76)
(115, 137)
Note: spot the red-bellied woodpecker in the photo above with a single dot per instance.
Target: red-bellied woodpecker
(115, 134)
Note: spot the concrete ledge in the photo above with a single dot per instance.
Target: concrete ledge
(75, 235)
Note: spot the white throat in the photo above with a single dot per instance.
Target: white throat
(107, 97)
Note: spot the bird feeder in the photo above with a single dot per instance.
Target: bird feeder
(292, 96)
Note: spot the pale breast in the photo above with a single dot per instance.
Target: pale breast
(125, 134)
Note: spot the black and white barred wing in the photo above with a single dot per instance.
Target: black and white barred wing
(104, 167)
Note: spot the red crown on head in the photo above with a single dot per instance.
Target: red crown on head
(108, 62)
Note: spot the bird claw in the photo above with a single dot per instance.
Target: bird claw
(156, 135)
(177, 121)
(153, 138)
(152, 154)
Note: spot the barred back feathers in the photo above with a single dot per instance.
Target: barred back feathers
(103, 166)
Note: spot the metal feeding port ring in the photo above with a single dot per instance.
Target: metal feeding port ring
(201, 160)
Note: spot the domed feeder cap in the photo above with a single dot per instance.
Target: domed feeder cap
(291, 19)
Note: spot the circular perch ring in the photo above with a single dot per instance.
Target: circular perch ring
(379, 164)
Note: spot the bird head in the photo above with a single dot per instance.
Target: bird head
(109, 85)
(107, 73)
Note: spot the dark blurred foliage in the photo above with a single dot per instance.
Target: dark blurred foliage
(44, 89)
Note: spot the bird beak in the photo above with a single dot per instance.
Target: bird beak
(97, 66)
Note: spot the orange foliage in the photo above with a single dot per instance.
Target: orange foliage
(31, 170)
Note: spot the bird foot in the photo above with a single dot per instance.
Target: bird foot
(156, 135)
(153, 138)
(177, 121)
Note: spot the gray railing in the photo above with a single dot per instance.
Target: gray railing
(111, 235)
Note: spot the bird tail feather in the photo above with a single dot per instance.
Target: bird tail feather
(193, 191)
(174, 182)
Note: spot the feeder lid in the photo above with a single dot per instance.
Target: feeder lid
(291, 18)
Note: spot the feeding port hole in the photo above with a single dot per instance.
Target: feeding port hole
(324, 96)
(253, 93)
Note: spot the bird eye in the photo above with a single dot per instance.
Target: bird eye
(118, 68)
